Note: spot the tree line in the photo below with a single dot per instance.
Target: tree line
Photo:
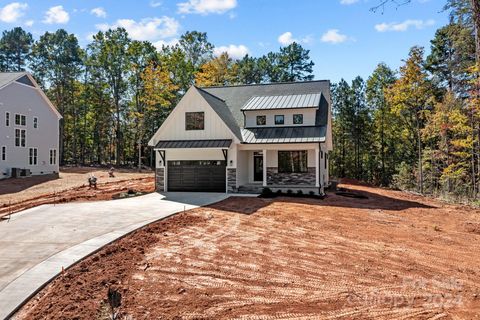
(417, 128)
(116, 92)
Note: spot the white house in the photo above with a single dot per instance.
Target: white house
(238, 138)
(28, 127)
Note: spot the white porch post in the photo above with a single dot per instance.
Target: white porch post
(264, 153)
(317, 168)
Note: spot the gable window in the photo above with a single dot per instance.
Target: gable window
(279, 119)
(194, 120)
(20, 120)
(32, 156)
(4, 153)
(35, 122)
(53, 156)
(298, 119)
(7, 119)
(292, 161)
(20, 137)
(261, 120)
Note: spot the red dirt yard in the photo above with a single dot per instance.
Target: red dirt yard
(391, 256)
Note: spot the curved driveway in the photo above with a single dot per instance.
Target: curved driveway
(36, 243)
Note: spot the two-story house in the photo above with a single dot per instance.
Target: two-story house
(28, 127)
(232, 138)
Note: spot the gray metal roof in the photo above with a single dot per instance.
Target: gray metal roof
(292, 101)
(235, 97)
(7, 77)
(179, 144)
(304, 134)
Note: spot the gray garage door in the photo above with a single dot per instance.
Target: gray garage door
(201, 175)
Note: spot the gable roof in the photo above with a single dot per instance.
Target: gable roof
(235, 97)
(26, 78)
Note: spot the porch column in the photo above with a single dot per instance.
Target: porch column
(317, 168)
(264, 153)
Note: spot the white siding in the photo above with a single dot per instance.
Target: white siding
(308, 117)
(22, 99)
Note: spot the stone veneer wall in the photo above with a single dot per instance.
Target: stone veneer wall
(301, 178)
(160, 179)
(231, 179)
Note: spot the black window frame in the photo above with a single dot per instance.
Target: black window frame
(20, 120)
(33, 156)
(300, 115)
(35, 122)
(4, 153)
(20, 137)
(264, 120)
(282, 117)
(7, 119)
(195, 125)
(291, 156)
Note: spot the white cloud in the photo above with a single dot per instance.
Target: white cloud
(151, 29)
(29, 23)
(206, 6)
(404, 26)
(99, 12)
(56, 15)
(287, 38)
(348, 2)
(12, 12)
(160, 43)
(334, 36)
(155, 4)
(234, 51)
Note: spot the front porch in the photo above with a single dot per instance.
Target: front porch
(279, 167)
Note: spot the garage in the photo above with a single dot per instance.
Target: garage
(196, 175)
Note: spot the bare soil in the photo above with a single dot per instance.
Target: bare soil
(391, 256)
(71, 185)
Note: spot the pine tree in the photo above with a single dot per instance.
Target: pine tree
(15, 46)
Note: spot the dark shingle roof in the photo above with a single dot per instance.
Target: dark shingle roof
(284, 134)
(235, 97)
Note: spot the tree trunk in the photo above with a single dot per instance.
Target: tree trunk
(420, 167)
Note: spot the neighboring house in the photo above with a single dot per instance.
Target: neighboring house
(239, 138)
(28, 127)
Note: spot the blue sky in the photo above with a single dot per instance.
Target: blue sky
(345, 39)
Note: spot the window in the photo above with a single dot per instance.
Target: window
(20, 137)
(4, 153)
(53, 156)
(7, 119)
(292, 161)
(194, 120)
(298, 119)
(20, 120)
(261, 120)
(279, 119)
(35, 122)
(32, 156)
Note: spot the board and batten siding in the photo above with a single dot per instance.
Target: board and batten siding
(17, 98)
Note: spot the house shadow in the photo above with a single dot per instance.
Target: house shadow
(15, 185)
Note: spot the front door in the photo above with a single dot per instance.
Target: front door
(257, 168)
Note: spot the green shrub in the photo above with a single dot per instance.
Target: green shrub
(267, 191)
(279, 191)
(299, 192)
(289, 192)
(312, 193)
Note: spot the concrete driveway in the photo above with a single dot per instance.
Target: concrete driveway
(36, 243)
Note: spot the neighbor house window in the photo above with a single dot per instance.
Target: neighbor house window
(7, 119)
(20, 120)
(292, 161)
(53, 156)
(32, 156)
(279, 119)
(194, 120)
(261, 120)
(4, 153)
(35, 122)
(298, 119)
(20, 137)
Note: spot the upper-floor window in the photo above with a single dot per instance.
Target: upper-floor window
(4, 153)
(261, 120)
(35, 122)
(279, 119)
(7, 119)
(20, 137)
(20, 120)
(298, 119)
(194, 120)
